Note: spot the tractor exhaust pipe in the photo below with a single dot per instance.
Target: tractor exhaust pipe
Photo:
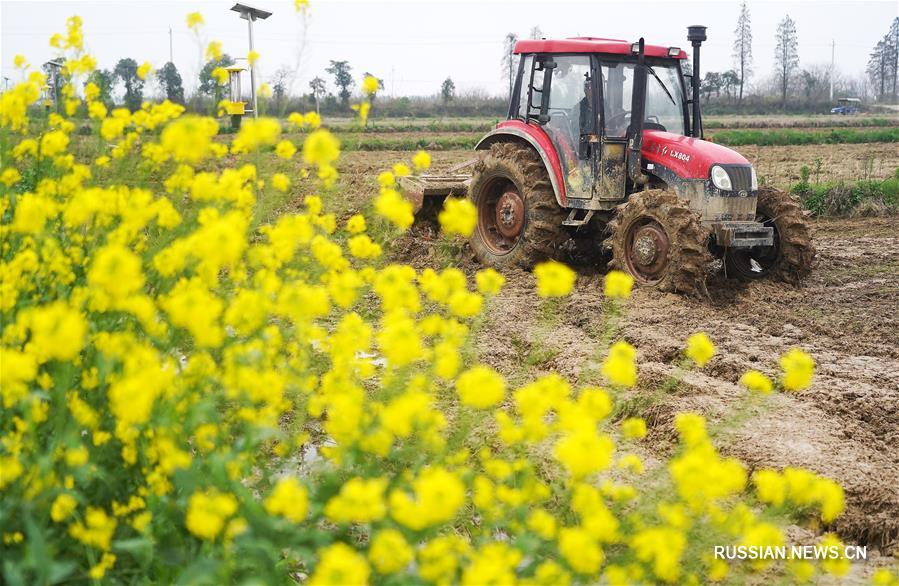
(696, 35)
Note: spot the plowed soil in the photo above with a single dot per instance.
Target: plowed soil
(846, 426)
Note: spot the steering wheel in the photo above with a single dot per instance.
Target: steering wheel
(554, 114)
(620, 120)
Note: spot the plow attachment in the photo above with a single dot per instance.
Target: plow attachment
(428, 192)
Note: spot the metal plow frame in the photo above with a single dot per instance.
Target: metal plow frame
(428, 192)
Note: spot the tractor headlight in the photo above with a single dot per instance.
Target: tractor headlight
(721, 179)
(755, 180)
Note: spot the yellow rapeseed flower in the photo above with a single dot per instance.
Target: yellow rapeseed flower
(288, 499)
(393, 206)
(798, 369)
(144, 70)
(339, 564)
(194, 21)
(220, 75)
(356, 224)
(389, 552)
(321, 148)
(619, 367)
(700, 348)
(481, 387)
(618, 285)
(214, 51)
(207, 512)
(633, 428)
(458, 216)
(756, 381)
(285, 149)
(370, 84)
(281, 182)
(554, 279)
(10, 177)
(489, 281)
(421, 161)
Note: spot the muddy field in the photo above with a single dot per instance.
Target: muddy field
(776, 165)
(846, 426)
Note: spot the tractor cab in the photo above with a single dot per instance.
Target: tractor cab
(582, 92)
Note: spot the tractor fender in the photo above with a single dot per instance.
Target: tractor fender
(536, 137)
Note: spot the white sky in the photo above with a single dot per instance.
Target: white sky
(415, 45)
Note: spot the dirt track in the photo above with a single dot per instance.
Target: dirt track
(846, 426)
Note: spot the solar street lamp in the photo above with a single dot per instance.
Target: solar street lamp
(251, 14)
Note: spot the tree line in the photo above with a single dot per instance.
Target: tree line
(788, 82)
(791, 81)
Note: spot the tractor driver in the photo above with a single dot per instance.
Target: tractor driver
(582, 111)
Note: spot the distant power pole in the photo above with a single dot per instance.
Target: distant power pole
(833, 48)
(171, 52)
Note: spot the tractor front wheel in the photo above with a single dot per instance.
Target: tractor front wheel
(519, 221)
(656, 238)
(793, 255)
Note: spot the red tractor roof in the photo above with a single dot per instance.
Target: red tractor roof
(592, 45)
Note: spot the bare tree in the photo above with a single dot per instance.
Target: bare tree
(893, 42)
(536, 33)
(884, 63)
(280, 81)
(743, 47)
(815, 82)
(510, 60)
(879, 69)
(786, 55)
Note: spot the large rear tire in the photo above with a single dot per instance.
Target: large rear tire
(793, 255)
(657, 239)
(519, 220)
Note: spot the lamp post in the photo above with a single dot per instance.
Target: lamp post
(250, 14)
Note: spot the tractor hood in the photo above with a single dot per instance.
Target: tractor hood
(688, 158)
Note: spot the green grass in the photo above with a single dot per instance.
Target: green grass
(474, 125)
(798, 137)
(794, 122)
(867, 197)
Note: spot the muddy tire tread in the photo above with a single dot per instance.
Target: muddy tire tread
(688, 255)
(542, 234)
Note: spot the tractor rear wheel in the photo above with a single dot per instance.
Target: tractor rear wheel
(793, 255)
(657, 239)
(519, 221)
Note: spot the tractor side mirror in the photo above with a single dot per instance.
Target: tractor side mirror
(688, 82)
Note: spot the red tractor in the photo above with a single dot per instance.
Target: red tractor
(603, 140)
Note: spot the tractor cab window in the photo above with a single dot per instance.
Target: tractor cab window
(525, 81)
(664, 99)
(571, 115)
(617, 94)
